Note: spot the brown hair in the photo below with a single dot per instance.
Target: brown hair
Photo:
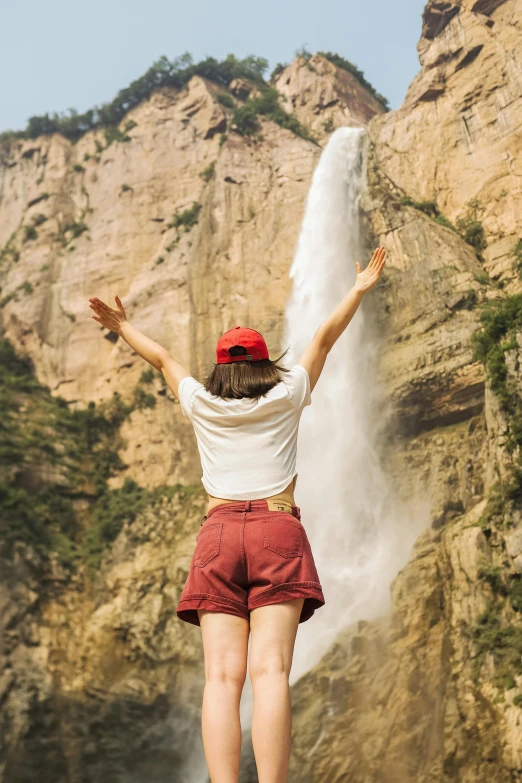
(244, 378)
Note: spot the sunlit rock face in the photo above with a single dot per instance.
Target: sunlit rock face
(98, 679)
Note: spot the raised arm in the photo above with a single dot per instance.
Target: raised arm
(329, 331)
(153, 353)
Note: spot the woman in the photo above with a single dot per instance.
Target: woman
(252, 571)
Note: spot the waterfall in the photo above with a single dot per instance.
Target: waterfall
(360, 532)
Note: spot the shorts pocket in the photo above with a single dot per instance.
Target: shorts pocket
(283, 534)
(207, 544)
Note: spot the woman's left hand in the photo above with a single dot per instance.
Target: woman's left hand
(367, 278)
(110, 317)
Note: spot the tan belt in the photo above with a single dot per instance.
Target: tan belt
(279, 505)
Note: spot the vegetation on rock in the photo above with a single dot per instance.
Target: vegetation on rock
(265, 104)
(163, 73)
(177, 73)
(52, 457)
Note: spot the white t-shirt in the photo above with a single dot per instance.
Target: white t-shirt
(247, 447)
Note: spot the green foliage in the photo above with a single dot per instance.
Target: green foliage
(517, 700)
(266, 104)
(159, 260)
(482, 277)
(328, 125)
(163, 73)
(430, 209)
(304, 53)
(208, 173)
(75, 229)
(9, 252)
(125, 188)
(143, 399)
(27, 287)
(39, 219)
(468, 301)
(78, 168)
(50, 456)
(501, 321)
(504, 643)
(340, 62)
(280, 67)
(147, 376)
(493, 575)
(517, 253)
(112, 133)
(470, 227)
(226, 100)
(222, 139)
(30, 233)
(187, 218)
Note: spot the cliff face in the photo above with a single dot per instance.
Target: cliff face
(92, 669)
(434, 691)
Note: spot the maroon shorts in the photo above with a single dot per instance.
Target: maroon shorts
(248, 556)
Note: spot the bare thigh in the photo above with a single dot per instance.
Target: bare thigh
(225, 645)
(273, 631)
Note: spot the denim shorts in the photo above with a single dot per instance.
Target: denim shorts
(249, 555)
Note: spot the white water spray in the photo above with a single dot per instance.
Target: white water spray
(361, 534)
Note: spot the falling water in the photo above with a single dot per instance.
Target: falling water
(361, 534)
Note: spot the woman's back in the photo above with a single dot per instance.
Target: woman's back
(247, 446)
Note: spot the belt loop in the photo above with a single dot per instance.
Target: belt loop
(248, 504)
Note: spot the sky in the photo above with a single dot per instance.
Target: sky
(57, 55)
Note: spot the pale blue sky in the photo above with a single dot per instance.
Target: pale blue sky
(59, 54)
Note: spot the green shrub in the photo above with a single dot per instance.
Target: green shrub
(112, 133)
(208, 173)
(517, 700)
(504, 643)
(430, 209)
(188, 218)
(125, 188)
(222, 139)
(9, 252)
(280, 67)
(147, 376)
(328, 125)
(29, 233)
(75, 228)
(39, 219)
(159, 260)
(470, 227)
(517, 253)
(493, 575)
(226, 100)
(482, 277)
(78, 168)
(143, 399)
(266, 103)
(442, 220)
(27, 287)
(501, 321)
(346, 65)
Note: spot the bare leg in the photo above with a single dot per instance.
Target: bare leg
(225, 646)
(273, 630)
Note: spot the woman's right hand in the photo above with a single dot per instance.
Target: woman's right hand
(367, 278)
(111, 318)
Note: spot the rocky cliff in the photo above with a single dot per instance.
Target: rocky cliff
(194, 225)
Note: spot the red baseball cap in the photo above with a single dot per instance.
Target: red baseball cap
(248, 338)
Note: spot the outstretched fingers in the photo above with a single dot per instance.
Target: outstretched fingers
(99, 305)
